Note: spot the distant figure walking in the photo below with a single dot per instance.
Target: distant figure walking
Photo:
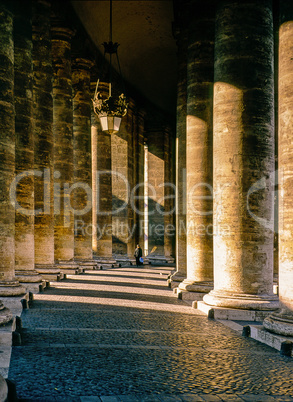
(138, 255)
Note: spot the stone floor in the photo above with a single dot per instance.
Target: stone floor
(121, 335)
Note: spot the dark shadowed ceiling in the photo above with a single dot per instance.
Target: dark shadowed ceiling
(147, 50)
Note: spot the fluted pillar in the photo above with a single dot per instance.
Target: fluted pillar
(63, 148)
(282, 321)
(181, 266)
(199, 151)
(24, 149)
(102, 187)
(82, 203)
(9, 286)
(243, 157)
(43, 141)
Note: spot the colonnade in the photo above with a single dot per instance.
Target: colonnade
(226, 127)
(55, 161)
(62, 179)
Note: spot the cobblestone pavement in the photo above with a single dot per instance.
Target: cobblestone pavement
(121, 335)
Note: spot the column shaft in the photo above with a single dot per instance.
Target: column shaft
(180, 178)
(243, 157)
(156, 181)
(8, 284)
(63, 143)
(82, 159)
(169, 194)
(199, 133)
(102, 187)
(43, 141)
(282, 322)
(139, 168)
(24, 148)
(122, 184)
(132, 223)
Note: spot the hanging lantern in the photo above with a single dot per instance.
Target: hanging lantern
(111, 109)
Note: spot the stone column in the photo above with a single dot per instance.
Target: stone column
(243, 157)
(199, 156)
(169, 193)
(132, 222)
(102, 188)
(282, 321)
(9, 286)
(82, 203)
(119, 160)
(181, 266)
(122, 178)
(24, 149)
(63, 149)
(139, 168)
(43, 141)
(156, 191)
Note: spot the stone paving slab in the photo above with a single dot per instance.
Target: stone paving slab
(140, 346)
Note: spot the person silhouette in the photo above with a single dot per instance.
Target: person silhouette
(138, 255)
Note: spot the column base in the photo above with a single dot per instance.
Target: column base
(5, 314)
(280, 322)
(242, 301)
(3, 389)
(87, 264)
(124, 259)
(28, 276)
(69, 267)
(31, 280)
(106, 262)
(49, 272)
(196, 286)
(16, 304)
(160, 259)
(231, 314)
(11, 289)
(191, 290)
(175, 280)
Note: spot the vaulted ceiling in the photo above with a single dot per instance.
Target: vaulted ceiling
(147, 51)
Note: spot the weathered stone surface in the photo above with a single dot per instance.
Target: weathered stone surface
(181, 265)
(82, 202)
(169, 195)
(24, 145)
(8, 285)
(138, 167)
(199, 185)
(243, 156)
(3, 389)
(7, 147)
(121, 186)
(43, 134)
(63, 143)
(5, 315)
(102, 186)
(282, 323)
(156, 188)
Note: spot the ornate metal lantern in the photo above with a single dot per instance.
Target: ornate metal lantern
(111, 109)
